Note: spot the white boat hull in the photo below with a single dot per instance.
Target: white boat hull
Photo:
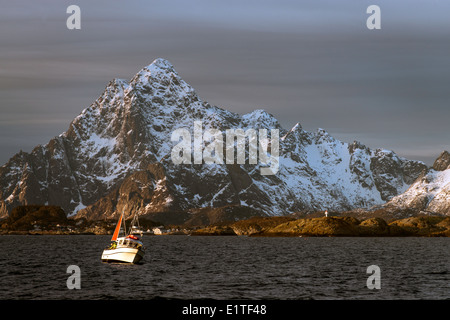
(127, 255)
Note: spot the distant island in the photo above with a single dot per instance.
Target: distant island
(41, 220)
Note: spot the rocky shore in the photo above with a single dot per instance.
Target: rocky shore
(44, 220)
(333, 227)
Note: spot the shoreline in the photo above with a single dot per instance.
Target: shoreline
(427, 227)
(285, 235)
(424, 226)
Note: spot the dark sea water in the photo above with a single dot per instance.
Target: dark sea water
(183, 267)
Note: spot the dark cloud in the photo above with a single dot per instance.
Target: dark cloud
(312, 62)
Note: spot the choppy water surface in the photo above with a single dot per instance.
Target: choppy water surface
(35, 267)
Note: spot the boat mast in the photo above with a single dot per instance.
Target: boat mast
(135, 225)
(124, 227)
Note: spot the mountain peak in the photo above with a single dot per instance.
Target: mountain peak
(442, 162)
(296, 129)
(160, 82)
(161, 64)
(159, 67)
(321, 135)
(160, 70)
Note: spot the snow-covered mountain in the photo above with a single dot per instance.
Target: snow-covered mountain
(116, 156)
(430, 193)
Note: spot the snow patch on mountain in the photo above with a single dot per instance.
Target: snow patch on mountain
(429, 193)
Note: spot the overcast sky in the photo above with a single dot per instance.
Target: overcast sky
(313, 62)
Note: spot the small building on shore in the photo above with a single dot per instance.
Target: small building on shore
(159, 230)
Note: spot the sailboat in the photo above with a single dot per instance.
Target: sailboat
(128, 248)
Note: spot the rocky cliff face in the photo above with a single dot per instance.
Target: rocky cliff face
(116, 156)
(442, 163)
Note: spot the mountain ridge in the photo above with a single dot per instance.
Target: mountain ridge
(115, 156)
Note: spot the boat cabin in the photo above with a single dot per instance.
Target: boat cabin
(129, 242)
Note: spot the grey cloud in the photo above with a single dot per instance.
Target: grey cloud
(312, 62)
